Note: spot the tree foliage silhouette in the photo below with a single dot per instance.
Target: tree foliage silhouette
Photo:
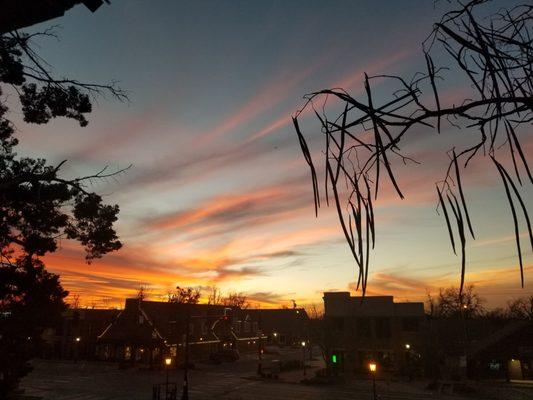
(362, 138)
(184, 295)
(38, 206)
(450, 303)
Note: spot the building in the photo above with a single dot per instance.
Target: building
(505, 354)
(358, 330)
(145, 331)
(75, 335)
(282, 326)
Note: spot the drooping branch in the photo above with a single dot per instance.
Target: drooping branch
(363, 138)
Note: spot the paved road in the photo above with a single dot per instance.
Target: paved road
(52, 380)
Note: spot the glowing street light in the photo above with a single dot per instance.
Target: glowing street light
(168, 362)
(373, 367)
(77, 340)
(407, 346)
(303, 357)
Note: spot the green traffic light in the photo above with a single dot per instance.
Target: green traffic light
(334, 359)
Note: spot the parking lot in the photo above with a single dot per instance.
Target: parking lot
(62, 380)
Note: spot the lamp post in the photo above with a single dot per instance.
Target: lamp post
(373, 369)
(76, 348)
(168, 362)
(185, 393)
(408, 367)
(259, 353)
(464, 315)
(303, 356)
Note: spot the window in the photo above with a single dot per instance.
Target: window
(141, 319)
(237, 327)
(204, 328)
(383, 328)
(410, 324)
(172, 329)
(246, 326)
(255, 326)
(364, 328)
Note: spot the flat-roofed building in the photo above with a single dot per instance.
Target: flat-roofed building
(374, 329)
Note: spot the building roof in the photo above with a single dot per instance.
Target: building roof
(17, 14)
(91, 314)
(341, 304)
(279, 319)
(144, 322)
(497, 338)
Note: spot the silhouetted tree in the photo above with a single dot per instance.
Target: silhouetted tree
(521, 308)
(451, 302)
(236, 300)
(185, 295)
(323, 334)
(214, 296)
(38, 206)
(142, 292)
(74, 301)
(363, 137)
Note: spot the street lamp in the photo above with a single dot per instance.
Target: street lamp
(168, 362)
(373, 367)
(407, 346)
(303, 357)
(259, 353)
(77, 340)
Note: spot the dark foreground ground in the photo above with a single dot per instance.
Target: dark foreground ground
(60, 380)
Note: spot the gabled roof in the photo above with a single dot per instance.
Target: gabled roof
(126, 327)
(154, 322)
(498, 336)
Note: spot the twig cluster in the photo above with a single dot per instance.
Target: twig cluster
(495, 54)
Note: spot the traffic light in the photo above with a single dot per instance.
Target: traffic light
(334, 358)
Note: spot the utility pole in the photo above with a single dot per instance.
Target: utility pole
(259, 353)
(260, 349)
(185, 393)
(303, 358)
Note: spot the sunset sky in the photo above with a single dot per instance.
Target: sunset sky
(219, 193)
